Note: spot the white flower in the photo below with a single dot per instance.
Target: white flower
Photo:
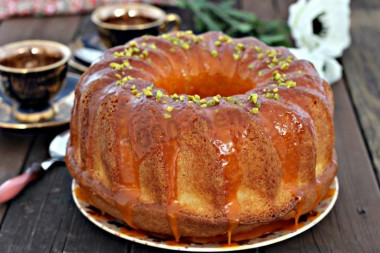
(327, 67)
(321, 25)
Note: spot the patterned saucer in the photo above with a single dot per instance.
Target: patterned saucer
(62, 104)
(120, 229)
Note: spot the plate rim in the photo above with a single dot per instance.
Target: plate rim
(213, 249)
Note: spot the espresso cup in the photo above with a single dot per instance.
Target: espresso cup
(32, 72)
(118, 24)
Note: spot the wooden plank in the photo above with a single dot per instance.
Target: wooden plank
(27, 212)
(353, 224)
(12, 157)
(361, 62)
(15, 145)
(268, 10)
(57, 28)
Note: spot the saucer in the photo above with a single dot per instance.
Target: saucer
(62, 104)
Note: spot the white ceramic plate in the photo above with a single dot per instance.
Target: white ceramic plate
(119, 229)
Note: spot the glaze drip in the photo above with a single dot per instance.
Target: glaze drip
(227, 148)
(170, 160)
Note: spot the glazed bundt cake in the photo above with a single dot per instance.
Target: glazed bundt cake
(200, 136)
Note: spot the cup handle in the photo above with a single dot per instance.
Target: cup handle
(171, 18)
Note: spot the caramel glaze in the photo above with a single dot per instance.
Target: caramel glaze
(227, 141)
(282, 225)
(102, 107)
(170, 153)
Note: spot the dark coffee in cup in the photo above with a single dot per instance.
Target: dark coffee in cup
(31, 60)
(127, 20)
(117, 24)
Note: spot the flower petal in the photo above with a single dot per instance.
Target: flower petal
(335, 18)
(327, 67)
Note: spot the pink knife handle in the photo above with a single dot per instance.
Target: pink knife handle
(10, 188)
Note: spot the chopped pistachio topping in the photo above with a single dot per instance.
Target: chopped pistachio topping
(276, 96)
(133, 87)
(271, 53)
(118, 76)
(211, 103)
(240, 46)
(143, 44)
(127, 64)
(158, 95)
(258, 49)
(171, 50)
(216, 99)
(218, 43)
(167, 116)
(214, 53)
(261, 72)
(185, 46)
(118, 54)
(202, 101)
(251, 66)
(260, 56)
(268, 95)
(153, 46)
(182, 97)
(148, 93)
(253, 97)
(236, 56)
(284, 66)
(299, 72)
(275, 90)
(290, 84)
(255, 110)
(169, 108)
(204, 105)
(175, 96)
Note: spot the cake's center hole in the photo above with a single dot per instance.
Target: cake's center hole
(206, 85)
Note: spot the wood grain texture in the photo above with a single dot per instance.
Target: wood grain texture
(45, 219)
(12, 157)
(50, 28)
(15, 145)
(269, 9)
(362, 70)
(34, 209)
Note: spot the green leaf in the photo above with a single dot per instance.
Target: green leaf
(241, 15)
(236, 23)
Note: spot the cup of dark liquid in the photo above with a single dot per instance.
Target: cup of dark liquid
(117, 24)
(32, 72)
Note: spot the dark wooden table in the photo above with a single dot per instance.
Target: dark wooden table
(44, 217)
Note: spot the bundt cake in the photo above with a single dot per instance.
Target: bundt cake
(199, 136)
